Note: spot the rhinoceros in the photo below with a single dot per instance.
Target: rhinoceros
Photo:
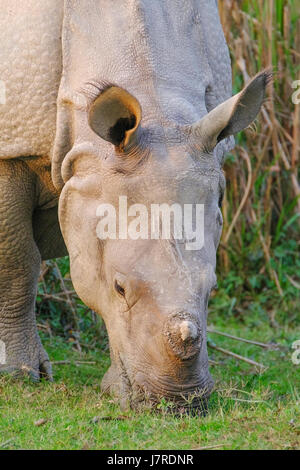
(102, 101)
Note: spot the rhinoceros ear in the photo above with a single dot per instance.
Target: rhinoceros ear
(234, 114)
(115, 116)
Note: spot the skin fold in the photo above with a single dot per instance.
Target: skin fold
(126, 98)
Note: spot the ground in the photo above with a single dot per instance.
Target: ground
(248, 409)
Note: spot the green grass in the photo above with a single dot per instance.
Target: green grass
(248, 409)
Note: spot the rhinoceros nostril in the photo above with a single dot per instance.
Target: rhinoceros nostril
(183, 335)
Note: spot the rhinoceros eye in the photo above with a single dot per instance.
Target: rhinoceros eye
(119, 289)
(221, 196)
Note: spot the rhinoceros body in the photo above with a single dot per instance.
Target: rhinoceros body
(102, 100)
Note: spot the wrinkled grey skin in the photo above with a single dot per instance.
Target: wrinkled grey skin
(152, 294)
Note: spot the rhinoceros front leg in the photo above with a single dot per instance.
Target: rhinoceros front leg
(21, 347)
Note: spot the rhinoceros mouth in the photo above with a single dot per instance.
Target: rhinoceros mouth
(189, 394)
(150, 388)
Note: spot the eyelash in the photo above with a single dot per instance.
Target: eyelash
(220, 200)
(219, 218)
(119, 289)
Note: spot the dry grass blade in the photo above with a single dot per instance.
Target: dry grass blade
(243, 340)
(5, 443)
(237, 356)
(69, 298)
(213, 363)
(215, 446)
(268, 257)
(293, 282)
(244, 199)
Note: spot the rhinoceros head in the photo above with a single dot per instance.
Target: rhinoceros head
(140, 214)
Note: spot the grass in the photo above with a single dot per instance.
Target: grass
(248, 409)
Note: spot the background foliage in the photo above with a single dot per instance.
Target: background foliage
(259, 253)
